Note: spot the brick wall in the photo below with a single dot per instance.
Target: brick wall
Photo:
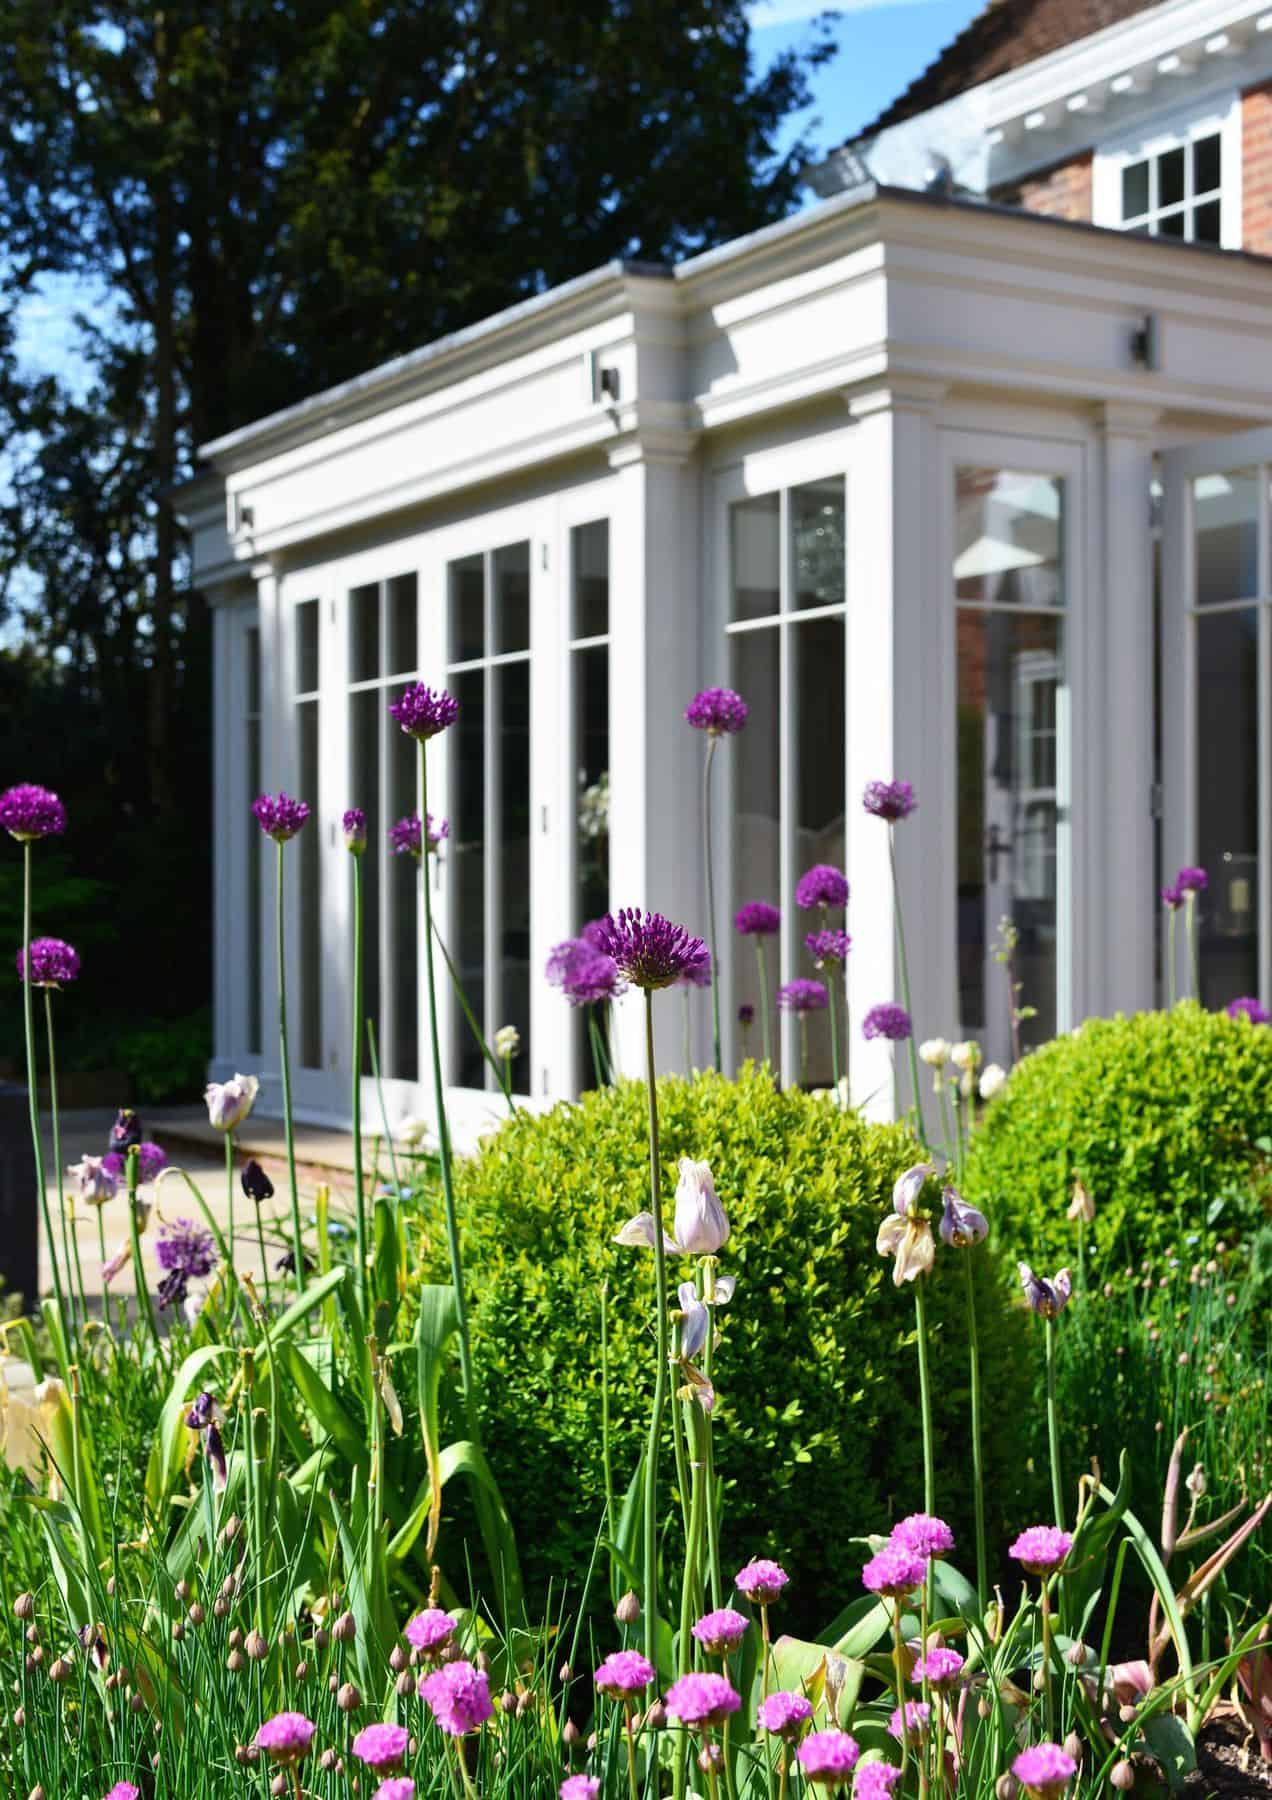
(1256, 169)
(1063, 192)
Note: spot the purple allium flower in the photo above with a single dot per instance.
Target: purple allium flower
(875, 1781)
(458, 1696)
(894, 1571)
(1041, 1548)
(286, 1737)
(889, 800)
(828, 947)
(746, 1014)
(828, 1757)
(757, 919)
(624, 1672)
(1173, 896)
(784, 1714)
(761, 1581)
(940, 1668)
(721, 1632)
(822, 886)
(187, 1252)
(430, 1631)
(124, 1790)
(279, 816)
(917, 1715)
(887, 1021)
(1044, 1771)
(1047, 1298)
(579, 1787)
(1247, 1007)
(961, 1224)
(423, 711)
(698, 1700)
(1192, 880)
(648, 949)
(53, 963)
(397, 1787)
(151, 1160)
(717, 711)
(381, 1746)
(698, 976)
(407, 836)
(255, 1183)
(584, 974)
(802, 996)
(28, 812)
(592, 931)
(924, 1535)
(354, 826)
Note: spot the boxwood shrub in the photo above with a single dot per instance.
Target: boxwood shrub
(817, 1421)
(1158, 1114)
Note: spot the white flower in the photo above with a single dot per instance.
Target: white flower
(909, 1186)
(638, 1234)
(701, 1225)
(507, 1041)
(935, 1052)
(910, 1242)
(93, 1183)
(1081, 1209)
(229, 1102)
(965, 1055)
(411, 1131)
(992, 1081)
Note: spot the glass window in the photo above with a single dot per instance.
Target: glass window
(367, 730)
(1226, 521)
(364, 633)
(1008, 545)
(590, 670)
(307, 647)
(468, 609)
(1228, 809)
(308, 953)
(404, 653)
(512, 598)
(756, 546)
(1175, 192)
(589, 575)
(400, 1051)
(467, 872)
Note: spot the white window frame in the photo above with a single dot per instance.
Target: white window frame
(1218, 114)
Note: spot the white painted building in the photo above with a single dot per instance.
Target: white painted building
(948, 490)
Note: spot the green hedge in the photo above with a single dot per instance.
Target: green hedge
(1158, 1114)
(817, 1421)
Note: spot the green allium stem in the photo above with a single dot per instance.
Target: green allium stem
(1053, 1424)
(28, 1013)
(70, 1243)
(898, 1669)
(632, 1782)
(229, 1190)
(766, 1024)
(660, 1332)
(978, 1471)
(686, 1053)
(285, 1059)
(832, 977)
(904, 970)
(359, 1185)
(145, 1306)
(708, 1458)
(1194, 961)
(1170, 957)
(712, 741)
(925, 1396)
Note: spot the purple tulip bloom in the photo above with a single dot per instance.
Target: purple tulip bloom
(822, 885)
(802, 996)
(585, 975)
(648, 949)
(887, 1021)
(1047, 1298)
(718, 711)
(354, 826)
(54, 963)
(1192, 880)
(126, 1130)
(757, 919)
(279, 816)
(206, 1416)
(423, 711)
(889, 800)
(961, 1224)
(28, 812)
(255, 1183)
(828, 949)
(1247, 1007)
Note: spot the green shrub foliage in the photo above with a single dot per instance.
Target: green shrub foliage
(1158, 1114)
(817, 1425)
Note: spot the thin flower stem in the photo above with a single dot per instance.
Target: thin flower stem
(607, 1460)
(260, 1239)
(978, 1473)
(70, 1243)
(28, 1013)
(1053, 1424)
(803, 1049)
(784, 1771)
(1190, 927)
(832, 977)
(684, 1030)
(101, 1250)
(285, 1058)
(904, 970)
(359, 1185)
(660, 1331)
(925, 1396)
(384, 1116)
(693, 1548)
(145, 1306)
(766, 1025)
(708, 1460)
(680, 1440)
(712, 741)
(1048, 1709)
(633, 1783)
(503, 1071)
(1170, 957)
(593, 1041)
(898, 1666)
(229, 1190)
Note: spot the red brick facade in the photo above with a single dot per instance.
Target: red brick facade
(1256, 170)
(1063, 192)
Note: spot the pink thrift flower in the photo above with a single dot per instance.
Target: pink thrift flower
(721, 1632)
(381, 1746)
(286, 1737)
(702, 1699)
(784, 1714)
(624, 1672)
(917, 1714)
(875, 1781)
(580, 1787)
(940, 1668)
(1042, 1548)
(397, 1787)
(459, 1696)
(924, 1534)
(828, 1757)
(430, 1631)
(894, 1571)
(1044, 1771)
(124, 1790)
(761, 1581)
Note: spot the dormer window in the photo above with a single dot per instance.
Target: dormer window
(1175, 178)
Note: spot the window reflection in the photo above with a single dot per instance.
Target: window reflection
(1226, 519)
(1228, 812)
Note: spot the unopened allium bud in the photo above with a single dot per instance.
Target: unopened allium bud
(524, 1703)
(1073, 1746)
(221, 1607)
(236, 1638)
(32, 1634)
(348, 1699)
(235, 1662)
(1076, 1654)
(321, 1638)
(507, 1703)
(280, 1784)
(591, 1742)
(345, 1628)
(196, 1614)
(571, 1734)
(983, 1708)
(302, 1671)
(656, 1717)
(256, 1646)
(1006, 1787)
(406, 1685)
(333, 1684)
(59, 1670)
(397, 1659)
(19, 1717)
(37, 1793)
(627, 1612)
(327, 1761)
(710, 1758)
(1196, 1482)
(24, 1606)
(565, 1673)
(181, 1591)
(1122, 1776)
(36, 1657)
(136, 1704)
(482, 1660)
(178, 1631)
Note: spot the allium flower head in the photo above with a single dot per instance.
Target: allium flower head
(286, 1737)
(828, 1758)
(698, 975)
(430, 1631)
(28, 812)
(1172, 896)
(887, 1021)
(757, 919)
(1247, 1007)
(354, 826)
(1041, 1548)
(624, 1672)
(229, 1102)
(720, 1632)
(702, 1226)
(151, 1162)
(648, 949)
(993, 1080)
(507, 1041)
(94, 1182)
(717, 711)
(746, 1015)
(397, 1787)
(697, 1700)
(761, 1581)
(889, 800)
(1044, 1771)
(381, 1746)
(875, 1781)
(1047, 1298)
(894, 1571)
(966, 1054)
(917, 1715)
(409, 836)
(784, 1714)
(828, 948)
(579, 1787)
(458, 1696)
(940, 1668)
(279, 816)
(188, 1253)
(822, 885)
(422, 711)
(584, 974)
(924, 1534)
(1192, 880)
(802, 996)
(935, 1052)
(54, 963)
(961, 1224)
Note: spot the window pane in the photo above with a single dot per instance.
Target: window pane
(309, 882)
(819, 826)
(589, 568)
(401, 1053)
(367, 712)
(1172, 226)
(1228, 783)
(512, 598)
(254, 841)
(467, 609)
(755, 530)
(1010, 676)
(1206, 165)
(512, 919)
(817, 531)
(307, 647)
(1226, 513)
(364, 632)
(403, 638)
(1135, 190)
(1170, 177)
(1009, 535)
(757, 867)
(467, 870)
(591, 757)
(1206, 223)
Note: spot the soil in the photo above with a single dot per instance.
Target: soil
(1229, 1766)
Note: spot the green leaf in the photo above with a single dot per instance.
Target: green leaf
(464, 1458)
(1171, 1743)
(167, 1453)
(326, 1409)
(434, 1329)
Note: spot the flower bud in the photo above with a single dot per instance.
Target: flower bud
(1073, 1746)
(345, 1628)
(571, 1734)
(24, 1606)
(709, 1758)
(221, 1607)
(235, 1662)
(196, 1614)
(32, 1634)
(406, 1684)
(178, 1631)
(181, 1591)
(1122, 1776)
(327, 1761)
(983, 1708)
(302, 1671)
(36, 1657)
(37, 1793)
(507, 1703)
(397, 1659)
(1076, 1654)
(280, 1784)
(321, 1638)
(137, 1704)
(256, 1646)
(702, 1227)
(656, 1717)
(59, 1670)
(348, 1699)
(627, 1612)
(1006, 1787)
(236, 1639)
(19, 1717)
(482, 1661)
(565, 1673)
